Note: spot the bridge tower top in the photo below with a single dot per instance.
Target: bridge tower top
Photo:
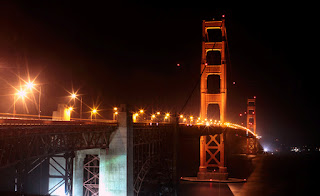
(251, 115)
(213, 62)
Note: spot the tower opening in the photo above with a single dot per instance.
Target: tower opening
(213, 112)
(251, 103)
(251, 120)
(214, 57)
(214, 35)
(213, 84)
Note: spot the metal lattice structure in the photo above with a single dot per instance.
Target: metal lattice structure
(22, 142)
(60, 173)
(251, 124)
(213, 62)
(91, 175)
(150, 144)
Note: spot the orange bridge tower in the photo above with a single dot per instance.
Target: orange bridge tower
(251, 124)
(213, 62)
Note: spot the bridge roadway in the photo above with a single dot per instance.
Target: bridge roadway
(25, 139)
(22, 139)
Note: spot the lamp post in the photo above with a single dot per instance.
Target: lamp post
(74, 96)
(30, 86)
(21, 94)
(39, 107)
(115, 113)
(94, 111)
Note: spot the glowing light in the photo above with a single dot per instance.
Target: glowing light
(21, 93)
(30, 85)
(70, 108)
(134, 117)
(181, 116)
(115, 108)
(158, 113)
(116, 113)
(167, 114)
(94, 111)
(73, 95)
(141, 111)
(153, 116)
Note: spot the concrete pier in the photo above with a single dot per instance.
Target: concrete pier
(116, 162)
(78, 173)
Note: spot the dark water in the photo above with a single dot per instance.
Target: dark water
(283, 174)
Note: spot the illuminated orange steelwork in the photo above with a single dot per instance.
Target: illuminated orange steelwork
(210, 150)
(251, 125)
(251, 115)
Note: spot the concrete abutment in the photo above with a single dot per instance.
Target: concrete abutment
(115, 163)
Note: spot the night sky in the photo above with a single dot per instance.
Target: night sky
(117, 54)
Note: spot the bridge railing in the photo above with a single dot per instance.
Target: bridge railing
(7, 119)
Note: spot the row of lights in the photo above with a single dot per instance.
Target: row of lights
(191, 120)
(29, 86)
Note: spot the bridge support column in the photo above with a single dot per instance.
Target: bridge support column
(116, 166)
(78, 173)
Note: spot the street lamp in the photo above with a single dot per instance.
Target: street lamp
(94, 111)
(166, 117)
(74, 96)
(30, 86)
(21, 94)
(115, 113)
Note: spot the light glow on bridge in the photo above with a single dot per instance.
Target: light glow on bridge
(188, 121)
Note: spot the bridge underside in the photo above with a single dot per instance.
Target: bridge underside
(28, 142)
(156, 155)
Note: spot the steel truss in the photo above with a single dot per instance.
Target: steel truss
(19, 143)
(214, 150)
(150, 145)
(91, 175)
(251, 146)
(59, 172)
